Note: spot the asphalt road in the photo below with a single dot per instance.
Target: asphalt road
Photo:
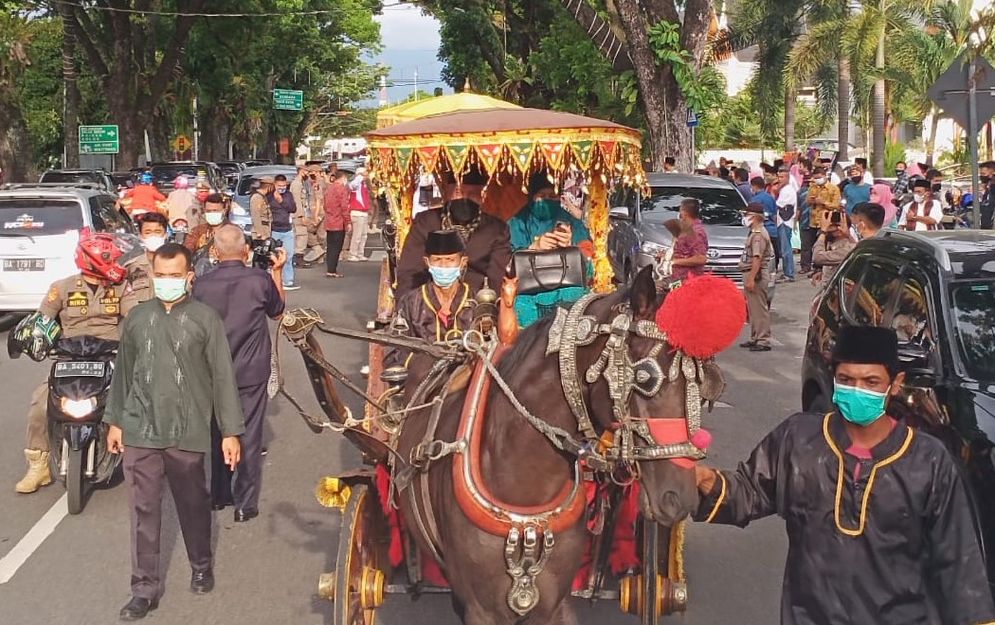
(267, 569)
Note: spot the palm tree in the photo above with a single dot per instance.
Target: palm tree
(773, 26)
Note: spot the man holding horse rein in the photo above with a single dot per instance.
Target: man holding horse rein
(880, 526)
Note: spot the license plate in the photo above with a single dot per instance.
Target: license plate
(79, 369)
(24, 264)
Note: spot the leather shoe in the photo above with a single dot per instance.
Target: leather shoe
(747, 344)
(202, 582)
(760, 348)
(247, 514)
(221, 505)
(138, 608)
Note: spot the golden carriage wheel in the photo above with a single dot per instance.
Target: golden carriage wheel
(361, 566)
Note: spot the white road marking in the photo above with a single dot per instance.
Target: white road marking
(33, 539)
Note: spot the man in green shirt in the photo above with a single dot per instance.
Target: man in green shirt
(173, 373)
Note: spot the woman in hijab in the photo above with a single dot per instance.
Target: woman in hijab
(881, 194)
(544, 225)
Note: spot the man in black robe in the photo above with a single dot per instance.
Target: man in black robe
(441, 309)
(485, 238)
(880, 527)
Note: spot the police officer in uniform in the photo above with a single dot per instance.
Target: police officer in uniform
(259, 209)
(90, 303)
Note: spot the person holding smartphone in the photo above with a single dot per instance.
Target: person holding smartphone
(544, 225)
(833, 245)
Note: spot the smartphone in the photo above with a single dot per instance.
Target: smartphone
(562, 226)
(836, 218)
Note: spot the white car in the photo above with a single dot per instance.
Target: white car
(39, 229)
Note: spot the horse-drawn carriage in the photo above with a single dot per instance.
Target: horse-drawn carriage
(515, 475)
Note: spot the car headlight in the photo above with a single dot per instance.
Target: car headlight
(78, 408)
(238, 210)
(648, 247)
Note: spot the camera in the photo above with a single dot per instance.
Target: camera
(263, 250)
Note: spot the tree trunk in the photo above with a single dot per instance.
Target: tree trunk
(71, 96)
(14, 144)
(879, 138)
(843, 107)
(790, 113)
(934, 124)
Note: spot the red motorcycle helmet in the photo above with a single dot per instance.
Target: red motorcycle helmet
(102, 255)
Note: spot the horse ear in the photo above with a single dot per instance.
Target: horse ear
(642, 294)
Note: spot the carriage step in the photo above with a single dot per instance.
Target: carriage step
(607, 595)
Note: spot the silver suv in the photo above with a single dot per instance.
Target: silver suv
(637, 233)
(39, 229)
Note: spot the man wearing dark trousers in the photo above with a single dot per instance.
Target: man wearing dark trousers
(172, 373)
(244, 297)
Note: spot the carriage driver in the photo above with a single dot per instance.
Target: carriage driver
(441, 309)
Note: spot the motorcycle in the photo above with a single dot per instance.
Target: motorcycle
(78, 386)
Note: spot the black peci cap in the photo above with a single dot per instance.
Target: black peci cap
(867, 345)
(443, 242)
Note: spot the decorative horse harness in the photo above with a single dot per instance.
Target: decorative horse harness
(529, 532)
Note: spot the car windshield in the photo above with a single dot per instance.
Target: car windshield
(245, 183)
(51, 177)
(228, 168)
(36, 217)
(719, 207)
(974, 319)
(166, 175)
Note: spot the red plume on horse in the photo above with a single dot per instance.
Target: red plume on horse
(704, 316)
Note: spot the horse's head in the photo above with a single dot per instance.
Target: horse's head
(633, 382)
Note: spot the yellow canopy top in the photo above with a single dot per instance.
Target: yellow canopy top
(442, 104)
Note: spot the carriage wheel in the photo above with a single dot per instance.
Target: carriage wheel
(358, 585)
(659, 589)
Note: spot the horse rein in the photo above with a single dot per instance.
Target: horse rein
(637, 438)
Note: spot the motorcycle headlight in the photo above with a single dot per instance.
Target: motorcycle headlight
(648, 247)
(78, 408)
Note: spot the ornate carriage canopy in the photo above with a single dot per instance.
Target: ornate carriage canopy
(509, 145)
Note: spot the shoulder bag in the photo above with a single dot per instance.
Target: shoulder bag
(541, 271)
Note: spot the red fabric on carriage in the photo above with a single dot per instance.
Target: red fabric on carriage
(624, 555)
(430, 570)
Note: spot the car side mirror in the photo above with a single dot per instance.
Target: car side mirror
(621, 213)
(912, 354)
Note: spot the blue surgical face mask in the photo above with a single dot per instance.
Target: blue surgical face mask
(170, 289)
(214, 218)
(545, 209)
(859, 406)
(444, 276)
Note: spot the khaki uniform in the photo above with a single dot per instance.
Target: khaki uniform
(262, 216)
(758, 244)
(309, 220)
(139, 281)
(81, 310)
(822, 198)
(830, 253)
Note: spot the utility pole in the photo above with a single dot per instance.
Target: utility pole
(972, 137)
(196, 132)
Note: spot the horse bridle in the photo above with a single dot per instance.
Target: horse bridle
(635, 440)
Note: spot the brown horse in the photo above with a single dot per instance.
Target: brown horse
(520, 466)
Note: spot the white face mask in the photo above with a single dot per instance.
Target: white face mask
(920, 197)
(819, 181)
(153, 243)
(214, 218)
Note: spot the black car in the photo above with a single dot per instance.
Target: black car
(937, 290)
(163, 174)
(98, 177)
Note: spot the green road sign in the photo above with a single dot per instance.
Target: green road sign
(99, 139)
(288, 99)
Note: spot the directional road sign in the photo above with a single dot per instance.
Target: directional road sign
(692, 119)
(182, 143)
(288, 99)
(950, 92)
(99, 139)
